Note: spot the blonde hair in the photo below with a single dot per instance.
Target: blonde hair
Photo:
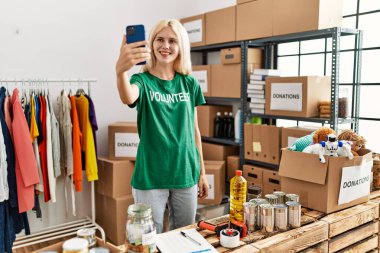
(182, 64)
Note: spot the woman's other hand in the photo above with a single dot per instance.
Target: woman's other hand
(203, 187)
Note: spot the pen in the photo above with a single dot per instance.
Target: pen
(193, 240)
(202, 250)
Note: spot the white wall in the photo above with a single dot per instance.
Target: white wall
(80, 39)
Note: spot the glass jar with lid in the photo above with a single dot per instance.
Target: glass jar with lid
(140, 229)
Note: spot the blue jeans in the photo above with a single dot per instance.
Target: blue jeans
(182, 205)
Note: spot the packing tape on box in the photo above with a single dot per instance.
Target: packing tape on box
(229, 238)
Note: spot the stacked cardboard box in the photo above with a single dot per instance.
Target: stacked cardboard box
(268, 180)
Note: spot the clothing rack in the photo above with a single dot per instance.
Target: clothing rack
(67, 228)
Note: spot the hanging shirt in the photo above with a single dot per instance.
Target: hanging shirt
(49, 152)
(26, 169)
(77, 140)
(88, 146)
(94, 123)
(42, 148)
(167, 156)
(55, 140)
(4, 189)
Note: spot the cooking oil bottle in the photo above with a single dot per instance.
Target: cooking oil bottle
(238, 195)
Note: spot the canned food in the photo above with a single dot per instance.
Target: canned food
(280, 217)
(250, 212)
(292, 197)
(267, 218)
(87, 234)
(294, 214)
(75, 245)
(272, 199)
(281, 197)
(259, 202)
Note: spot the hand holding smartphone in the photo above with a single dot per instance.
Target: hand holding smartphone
(136, 33)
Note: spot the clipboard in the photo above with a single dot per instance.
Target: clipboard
(173, 241)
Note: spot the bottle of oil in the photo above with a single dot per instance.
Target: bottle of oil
(238, 195)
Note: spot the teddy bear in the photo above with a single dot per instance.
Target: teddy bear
(357, 141)
(322, 133)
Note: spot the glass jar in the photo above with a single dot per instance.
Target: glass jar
(343, 106)
(140, 229)
(253, 192)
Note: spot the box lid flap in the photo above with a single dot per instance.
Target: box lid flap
(303, 166)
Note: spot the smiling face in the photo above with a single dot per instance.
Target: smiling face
(165, 46)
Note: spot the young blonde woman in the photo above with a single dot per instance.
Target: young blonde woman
(169, 163)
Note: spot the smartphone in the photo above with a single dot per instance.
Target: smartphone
(135, 33)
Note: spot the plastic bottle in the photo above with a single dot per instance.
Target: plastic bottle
(217, 125)
(237, 125)
(228, 127)
(238, 195)
(224, 125)
(231, 130)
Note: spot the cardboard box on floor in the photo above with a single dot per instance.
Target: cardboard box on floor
(254, 19)
(221, 25)
(111, 215)
(196, 29)
(253, 173)
(203, 74)
(265, 143)
(226, 80)
(206, 117)
(290, 134)
(318, 184)
(233, 164)
(296, 96)
(123, 141)
(114, 177)
(216, 174)
(291, 16)
(215, 152)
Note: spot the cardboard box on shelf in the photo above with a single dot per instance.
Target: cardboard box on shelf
(123, 141)
(254, 19)
(203, 74)
(296, 96)
(233, 55)
(114, 177)
(327, 187)
(266, 143)
(215, 173)
(226, 80)
(111, 215)
(215, 152)
(221, 25)
(290, 134)
(271, 177)
(206, 117)
(291, 16)
(253, 173)
(248, 147)
(196, 29)
(270, 188)
(233, 164)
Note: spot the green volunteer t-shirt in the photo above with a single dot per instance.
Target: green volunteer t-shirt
(167, 156)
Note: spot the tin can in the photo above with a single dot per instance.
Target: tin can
(292, 197)
(281, 217)
(250, 212)
(294, 214)
(75, 245)
(259, 202)
(99, 250)
(281, 197)
(272, 199)
(267, 218)
(87, 234)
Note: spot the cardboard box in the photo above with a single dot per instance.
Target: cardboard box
(253, 173)
(196, 29)
(270, 188)
(221, 25)
(266, 143)
(291, 16)
(290, 134)
(226, 80)
(271, 177)
(233, 55)
(318, 184)
(123, 141)
(111, 215)
(243, 1)
(248, 148)
(57, 247)
(233, 164)
(254, 19)
(203, 74)
(114, 177)
(250, 183)
(216, 174)
(215, 152)
(296, 96)
(206, 117)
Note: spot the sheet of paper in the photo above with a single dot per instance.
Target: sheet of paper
(173, 241)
